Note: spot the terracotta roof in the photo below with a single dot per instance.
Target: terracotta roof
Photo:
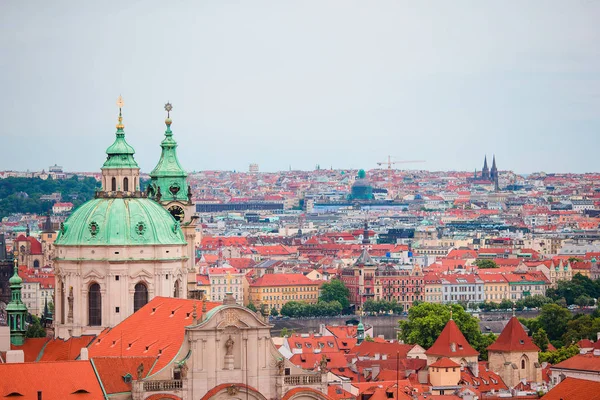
(451, 343)
(337, 393)
(311, 360)
(31, 348)
(56, 380)
(444, 362)
(157, 328)
(64, 350)
(513, 338)
(35, 246)
(111, 371)
(588, 362)
(392, 350)
(283, 280)
(572, 388)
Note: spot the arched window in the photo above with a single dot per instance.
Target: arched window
(36, 263)
(126, 184)
(135, 184)
(176, 289)
(94, 305)
(140, 297)
(523, 364)
(113, 185)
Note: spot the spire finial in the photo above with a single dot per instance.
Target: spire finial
(514, 314)
(194, 315)
(120, 104)
(168, 108)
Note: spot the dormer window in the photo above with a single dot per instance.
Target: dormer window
(298, 345)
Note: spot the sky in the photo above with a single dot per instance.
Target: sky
(283, 83)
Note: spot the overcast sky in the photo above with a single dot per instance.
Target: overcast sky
(336, 83)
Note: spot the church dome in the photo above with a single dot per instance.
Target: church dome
(118, 222)
(361, 189)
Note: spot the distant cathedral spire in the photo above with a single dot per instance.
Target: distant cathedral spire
(485, 171)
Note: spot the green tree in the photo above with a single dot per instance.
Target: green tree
(35, 328)
(554, 319)
(486, 264)
(286, 332)
(274, 312)
(335, 290)
(482, 343)
(584, 300)
(426, 321)
(368, 338)
(251, 307)
(558, 355)
(540, 338)
(505, 304)
(293, 309)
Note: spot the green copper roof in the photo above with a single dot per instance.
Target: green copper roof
(15, 279)
(120, 153)
(120, 221)
(168, 165)
(168, 175)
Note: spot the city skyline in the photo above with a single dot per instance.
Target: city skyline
(281, 84)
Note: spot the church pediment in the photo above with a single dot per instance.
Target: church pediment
(143, 273)
(93, 274)
(230, 316)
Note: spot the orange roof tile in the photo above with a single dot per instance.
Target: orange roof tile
(56, 380)
(157, 328)
(451, 343)
(283, 280)
(111, 371)
(31, 348)
(588, 362)
(572, 388)
(444, 362)
(513, 338)
(64, 350)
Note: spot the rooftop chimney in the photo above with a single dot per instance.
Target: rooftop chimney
(83, 354)
(15, 356)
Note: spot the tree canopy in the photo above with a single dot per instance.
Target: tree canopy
(297, 309)
(22, 195)
(335, 290)
(486, 264)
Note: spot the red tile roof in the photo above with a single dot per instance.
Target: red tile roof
(56, 380)
(513, 338)
(588, 362)
(283, 280)
(444, 362)
(31, 348)
(391, 350)
(111, 371)
(572, 388)
(64, 350)
(157, 328)
(451, 343)
(35, 245)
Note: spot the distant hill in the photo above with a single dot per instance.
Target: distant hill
(22, 195)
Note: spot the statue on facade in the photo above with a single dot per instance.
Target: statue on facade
(70, 300)
(229, 346)
(183, 369)
(323, 364)
(140, 371)
(280, 366)
(189, 194)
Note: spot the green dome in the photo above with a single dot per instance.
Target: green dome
(15, 279)
(120, 221)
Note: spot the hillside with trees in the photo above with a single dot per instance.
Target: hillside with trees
(23, 195)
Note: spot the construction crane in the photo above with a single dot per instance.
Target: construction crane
(389, 164)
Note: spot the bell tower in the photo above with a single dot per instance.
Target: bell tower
(169, 187)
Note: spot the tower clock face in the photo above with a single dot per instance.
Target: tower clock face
(177, 213)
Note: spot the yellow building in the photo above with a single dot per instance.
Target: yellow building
(274, 290)
(495, 287)
(433, 289)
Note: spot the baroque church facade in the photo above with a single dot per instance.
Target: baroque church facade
(124, 247)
